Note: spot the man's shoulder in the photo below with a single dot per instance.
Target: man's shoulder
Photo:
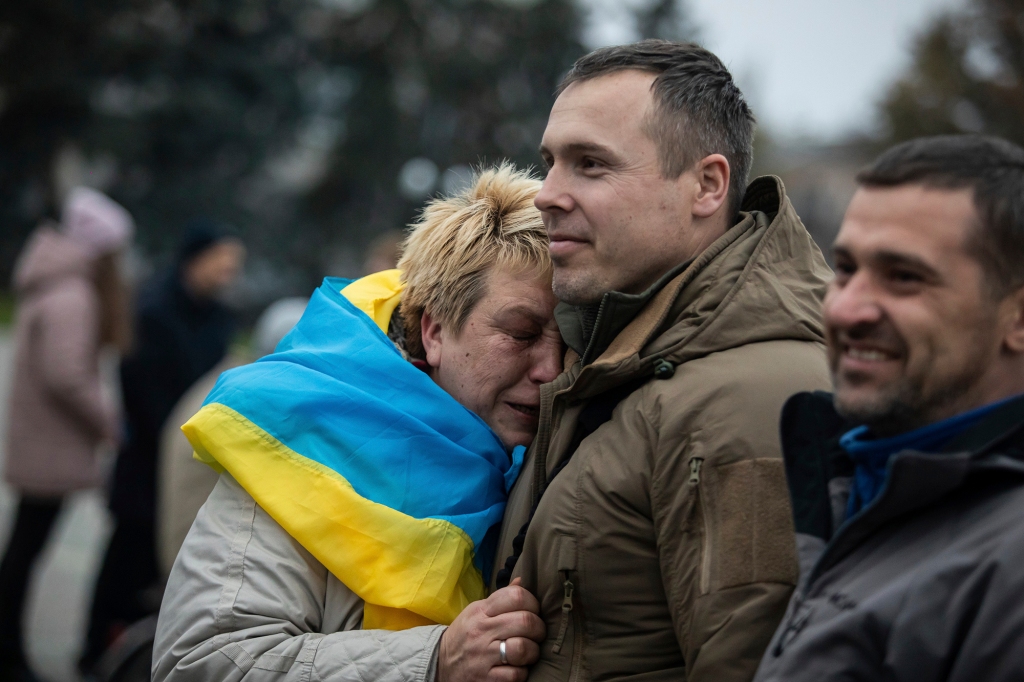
(728, 402)
(765, 372)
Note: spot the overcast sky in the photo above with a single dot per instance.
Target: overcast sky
(808, 67)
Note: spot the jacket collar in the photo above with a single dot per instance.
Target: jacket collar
(590, 329)
(810, 433)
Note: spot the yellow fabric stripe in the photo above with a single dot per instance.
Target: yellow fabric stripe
(377, 295)
(383, 618)
(393, 561)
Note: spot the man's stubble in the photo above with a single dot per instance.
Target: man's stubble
(910, 402)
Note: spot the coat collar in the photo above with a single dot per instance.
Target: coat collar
(810, 434)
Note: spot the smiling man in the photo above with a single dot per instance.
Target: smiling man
(908, 483)
(652, 519)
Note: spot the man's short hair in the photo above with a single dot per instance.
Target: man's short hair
(698, 110)
(459, 239)
(990, 166)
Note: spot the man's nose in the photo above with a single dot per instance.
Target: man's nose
(852, 304)
(553, 195)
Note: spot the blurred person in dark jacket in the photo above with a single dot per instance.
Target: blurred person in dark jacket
(183, 483)
(908, 483)
(182, 332)
(71, 303)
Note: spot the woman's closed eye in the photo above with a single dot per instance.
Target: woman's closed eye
(523, 335)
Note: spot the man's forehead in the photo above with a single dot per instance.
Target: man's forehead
(605, 102)
(907, 216)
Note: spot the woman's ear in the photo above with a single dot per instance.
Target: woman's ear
(432, 337)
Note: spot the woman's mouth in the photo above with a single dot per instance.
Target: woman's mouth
(531, 411)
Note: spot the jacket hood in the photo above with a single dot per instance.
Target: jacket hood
(96, 222)
(763, 280)
(49, 257)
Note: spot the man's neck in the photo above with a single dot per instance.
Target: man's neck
(590, 329)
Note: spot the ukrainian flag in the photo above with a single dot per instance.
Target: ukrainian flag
(363, 459)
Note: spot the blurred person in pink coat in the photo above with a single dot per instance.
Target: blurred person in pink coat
(71, 303)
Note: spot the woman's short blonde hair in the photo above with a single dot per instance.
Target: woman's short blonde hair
(457, 241)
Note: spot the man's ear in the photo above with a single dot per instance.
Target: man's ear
(1014, 338)
(431, 337)
(713, 176)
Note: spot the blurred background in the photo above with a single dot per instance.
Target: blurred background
(312, 130)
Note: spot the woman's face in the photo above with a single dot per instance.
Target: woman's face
(507, 348)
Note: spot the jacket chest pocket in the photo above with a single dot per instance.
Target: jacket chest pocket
(569, 635)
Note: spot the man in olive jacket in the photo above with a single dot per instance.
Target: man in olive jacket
(652, 520)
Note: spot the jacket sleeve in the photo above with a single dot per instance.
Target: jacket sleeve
(244, 601)
(67, 356)
(723, 525)
(991, 610)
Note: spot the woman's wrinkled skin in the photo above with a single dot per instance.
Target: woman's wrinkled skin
(508, 346)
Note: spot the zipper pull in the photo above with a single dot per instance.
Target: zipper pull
(568, 587)
(695, 469)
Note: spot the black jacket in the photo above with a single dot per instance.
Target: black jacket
(927, 583)
(178, 340)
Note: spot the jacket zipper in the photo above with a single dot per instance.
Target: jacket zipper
(577, 646)
(695, 465)
(547, 399)
(705, 561)
(597, 320)
(568, 587)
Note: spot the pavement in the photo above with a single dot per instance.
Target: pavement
(61, 590)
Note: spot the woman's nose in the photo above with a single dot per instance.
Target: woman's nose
(547, 362)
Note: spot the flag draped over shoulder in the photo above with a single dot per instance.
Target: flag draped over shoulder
(362, 458)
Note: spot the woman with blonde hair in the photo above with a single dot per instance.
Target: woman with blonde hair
(366, 463)
(71, 303)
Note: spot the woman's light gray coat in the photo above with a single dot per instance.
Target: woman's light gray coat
(245, 601)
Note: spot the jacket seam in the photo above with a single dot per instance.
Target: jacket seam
(238, 656)
(586, 634)
(307, 655)
(244, 528)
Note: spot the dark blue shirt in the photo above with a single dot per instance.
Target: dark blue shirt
(871, 455)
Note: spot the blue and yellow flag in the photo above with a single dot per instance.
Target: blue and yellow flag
(362, 458)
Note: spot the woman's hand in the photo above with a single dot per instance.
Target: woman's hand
(471, 646)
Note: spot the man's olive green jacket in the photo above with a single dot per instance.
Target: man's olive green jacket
(665, 547)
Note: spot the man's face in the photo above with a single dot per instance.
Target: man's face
(212, 271)
(507, 348)
(913, 333)
(614, 222)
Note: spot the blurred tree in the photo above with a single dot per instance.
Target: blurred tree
(436, 87)
(967, 75)
(179, 100)
(310, 125)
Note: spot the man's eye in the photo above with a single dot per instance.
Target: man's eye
(589, 163)
(845, 269)
(905, 276)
